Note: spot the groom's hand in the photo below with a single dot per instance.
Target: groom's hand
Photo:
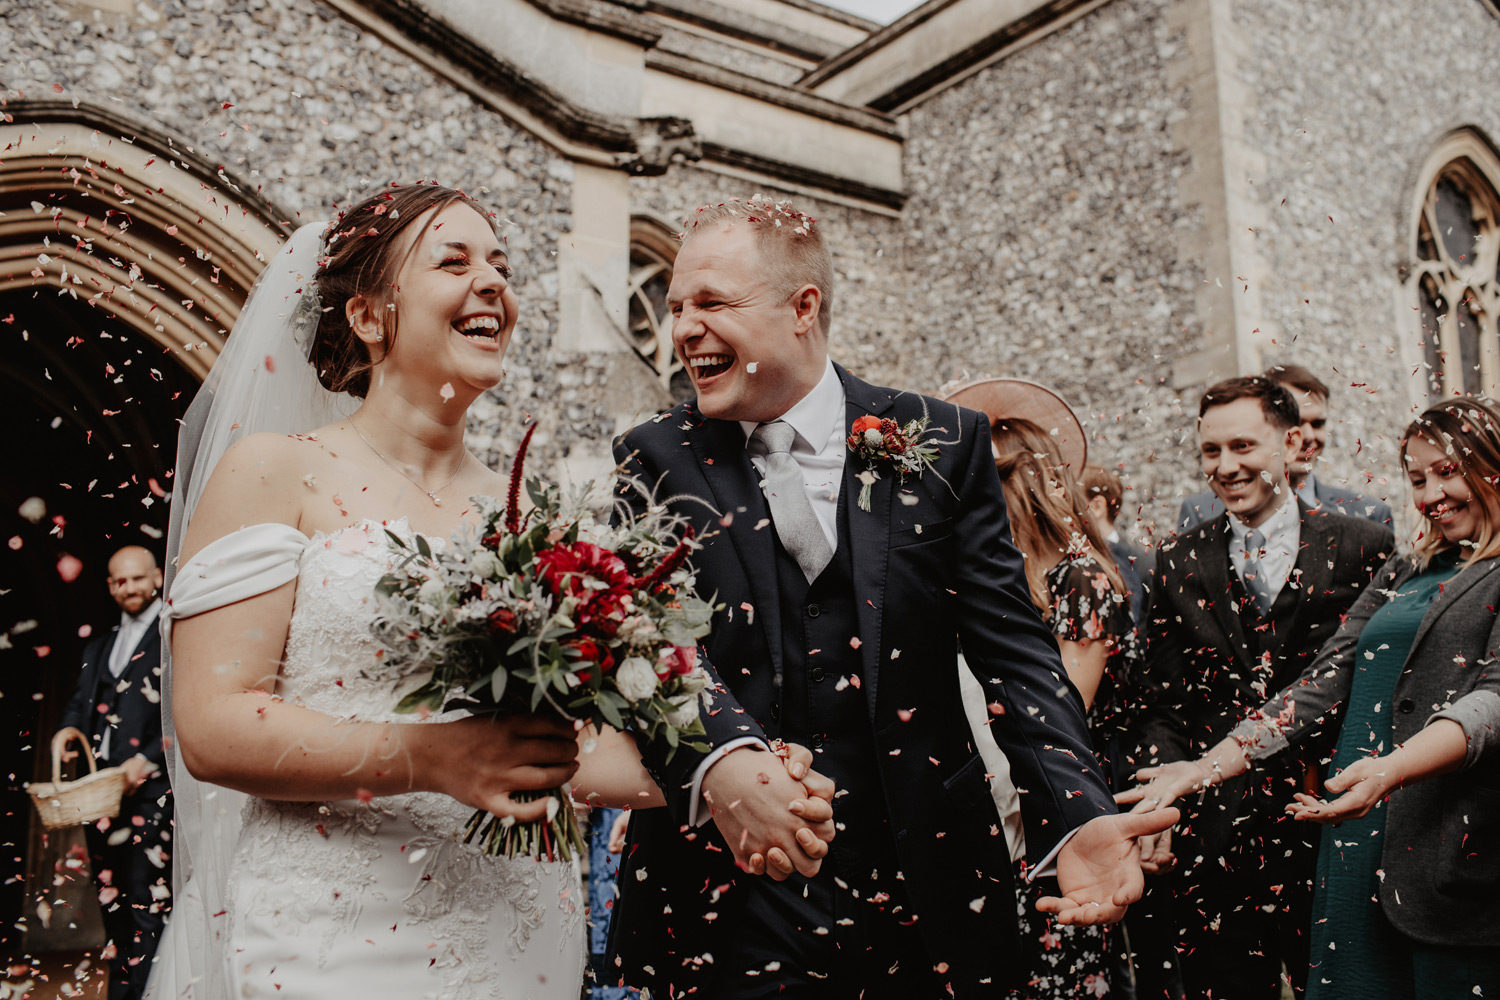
(1099, 869)
(769, 820)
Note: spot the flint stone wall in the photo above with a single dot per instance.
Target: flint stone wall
(318, 110)
(1340, 176)
(1040, 236)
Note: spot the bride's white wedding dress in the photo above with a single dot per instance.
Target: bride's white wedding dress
(371, 898)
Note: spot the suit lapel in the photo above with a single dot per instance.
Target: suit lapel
(869, 533)
(734, 483)
(1214, 569)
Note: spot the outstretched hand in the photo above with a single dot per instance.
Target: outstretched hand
(1363, 784)
(1099, 870)
(1159, 787)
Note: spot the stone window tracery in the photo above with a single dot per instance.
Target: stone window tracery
(653, 248)
(1455, 276)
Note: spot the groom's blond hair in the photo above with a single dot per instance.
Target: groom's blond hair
(790, 242)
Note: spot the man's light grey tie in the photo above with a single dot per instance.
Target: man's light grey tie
(1255, 576)
(786, 493)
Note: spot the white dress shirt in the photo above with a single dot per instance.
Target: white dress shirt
(132, 631)
(1283, 531)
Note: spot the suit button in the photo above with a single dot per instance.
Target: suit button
(817, 674)
(813, 611)
(817, 741)
(1406, 706)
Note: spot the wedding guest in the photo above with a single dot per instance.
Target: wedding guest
(1080, 594)
(1408, 889)
(116, 705)
(1105, 495)
(1154, 971)
(847, 582)
(1311, 395)
(1240, 604)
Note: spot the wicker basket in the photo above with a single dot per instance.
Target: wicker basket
(95, 796)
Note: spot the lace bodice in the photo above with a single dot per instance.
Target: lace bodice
(312, 886)
(331, 658)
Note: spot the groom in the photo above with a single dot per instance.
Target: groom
(839, 630)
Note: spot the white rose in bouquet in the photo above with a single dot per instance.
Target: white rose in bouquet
(636, 679)
(484, 564)
(433, 593)
(684, 712)
(695, 682)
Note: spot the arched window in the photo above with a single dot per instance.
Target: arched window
(1455, 274)
(653, 248)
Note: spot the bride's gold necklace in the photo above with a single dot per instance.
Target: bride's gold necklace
(432, 494)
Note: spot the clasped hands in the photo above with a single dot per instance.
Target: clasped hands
(773, 810)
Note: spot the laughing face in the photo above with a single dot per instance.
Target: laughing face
(752, 351)
(1244, 457)
(455, 307)
(1440, 492)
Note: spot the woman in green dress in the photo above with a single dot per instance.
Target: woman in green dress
(1408, 692)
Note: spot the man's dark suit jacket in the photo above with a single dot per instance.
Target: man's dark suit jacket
(1201, 507)
(1202, 674)
(933, 567)
(134, 697)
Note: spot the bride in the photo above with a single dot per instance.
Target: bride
(318, 843)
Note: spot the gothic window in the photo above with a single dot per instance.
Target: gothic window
(1454, 276)
(652, 251)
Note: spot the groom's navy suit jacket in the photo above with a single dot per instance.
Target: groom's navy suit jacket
(132, 700)
(932, 566)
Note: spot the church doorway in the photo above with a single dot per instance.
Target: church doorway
(124, 260)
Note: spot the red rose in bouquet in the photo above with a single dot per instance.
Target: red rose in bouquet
(595, 576)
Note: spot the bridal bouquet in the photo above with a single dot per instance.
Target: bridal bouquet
(548, 611)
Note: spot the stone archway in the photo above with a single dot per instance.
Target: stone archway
(124, 260)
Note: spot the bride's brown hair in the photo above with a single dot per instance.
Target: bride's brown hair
(360, 259)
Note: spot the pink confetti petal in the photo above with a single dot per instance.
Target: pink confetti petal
(68, 567)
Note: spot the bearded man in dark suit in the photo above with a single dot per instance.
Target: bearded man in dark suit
(846, 589)
(117, 707)
(1240, 605)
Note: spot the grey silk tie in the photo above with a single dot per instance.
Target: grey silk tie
(786, 493)
(1255, 576)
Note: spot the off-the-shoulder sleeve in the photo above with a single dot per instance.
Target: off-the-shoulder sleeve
(240, 565)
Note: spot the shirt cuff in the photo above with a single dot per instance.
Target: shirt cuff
(1048, 865)
(697, 813)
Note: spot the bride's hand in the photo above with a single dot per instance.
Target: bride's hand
(816, 811)
(481, 761)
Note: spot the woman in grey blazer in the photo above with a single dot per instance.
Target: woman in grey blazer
(1408, 891)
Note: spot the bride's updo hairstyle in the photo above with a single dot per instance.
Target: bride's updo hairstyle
(361, 258)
